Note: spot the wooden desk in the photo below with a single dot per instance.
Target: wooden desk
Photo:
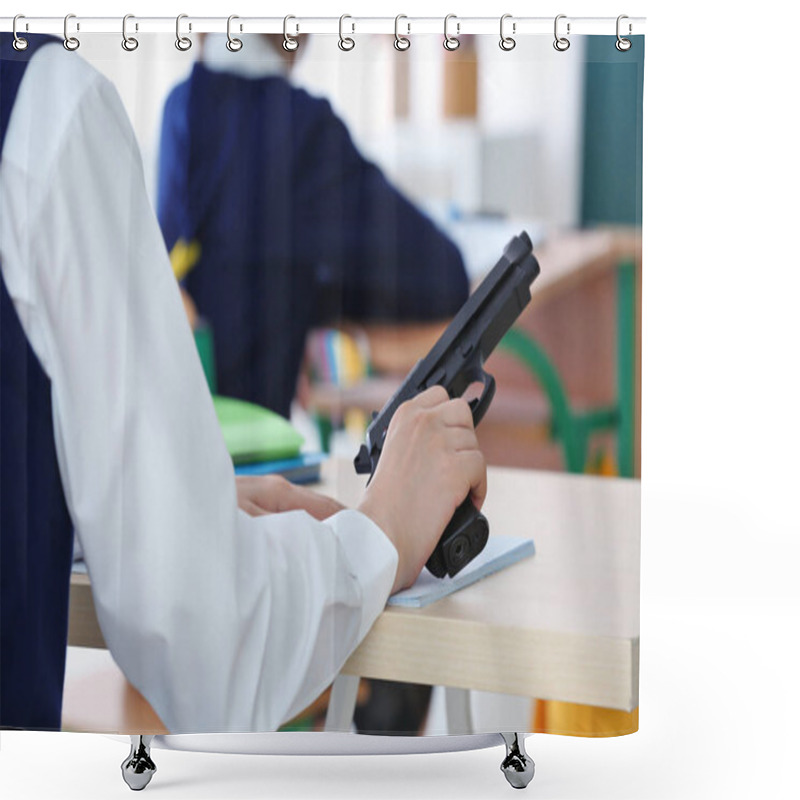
(562, 625)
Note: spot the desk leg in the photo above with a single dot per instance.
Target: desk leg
(459, 713)
(342, 704)
(517, 766)
(138, 768)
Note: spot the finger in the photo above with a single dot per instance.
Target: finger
(457, 413)
(474, 466)
(431, 397)
(252, 508)
(317, 505)
(460, 440)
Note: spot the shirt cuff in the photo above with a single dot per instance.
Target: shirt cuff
(373, 560)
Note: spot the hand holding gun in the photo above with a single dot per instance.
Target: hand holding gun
(455, 362)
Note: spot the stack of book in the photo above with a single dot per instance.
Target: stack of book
(262, 442)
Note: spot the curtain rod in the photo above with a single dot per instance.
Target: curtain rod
(406, 25)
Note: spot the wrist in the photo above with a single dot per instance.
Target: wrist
(377, 512)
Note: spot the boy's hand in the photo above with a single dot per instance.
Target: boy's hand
(430, 463)
(271, 494)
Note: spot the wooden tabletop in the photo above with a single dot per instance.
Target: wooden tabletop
(563, 624)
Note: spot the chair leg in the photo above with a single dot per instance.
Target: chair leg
(138, 768)
(517, 766)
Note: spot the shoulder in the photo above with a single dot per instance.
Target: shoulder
(316, 123)
(316, 108)
(58, 81)
(58, 87)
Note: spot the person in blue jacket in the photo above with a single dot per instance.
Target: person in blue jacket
(277, 224)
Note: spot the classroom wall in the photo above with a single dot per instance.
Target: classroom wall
(528, 112)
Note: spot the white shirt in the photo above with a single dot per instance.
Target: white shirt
(223, 621)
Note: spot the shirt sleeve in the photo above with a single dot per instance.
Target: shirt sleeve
(224, 622)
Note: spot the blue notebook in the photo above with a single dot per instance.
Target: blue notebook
(500, 552)
(305, 468)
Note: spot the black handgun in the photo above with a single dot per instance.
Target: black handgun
(456, 362)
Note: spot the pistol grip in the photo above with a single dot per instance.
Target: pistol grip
(464, 537)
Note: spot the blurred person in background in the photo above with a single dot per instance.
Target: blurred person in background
(277, 224)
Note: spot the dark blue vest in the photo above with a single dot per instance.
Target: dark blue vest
(35, 526)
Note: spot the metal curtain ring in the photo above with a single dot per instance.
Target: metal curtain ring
(128, 42)
(401, 42)
(622, 44)
(71, 43)
(233, 44)
(345, 42)
(506, 42)
(19, 43)
(451, 42)
(183, 43)
(561, 43)
(290, 44)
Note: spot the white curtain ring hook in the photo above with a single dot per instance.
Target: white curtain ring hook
(345, 42)
(19, 43)
(129, 43)
(507, 42)
(290, 44)
(182, 43)
(401, 43)
(622, 44)
(71, 43)
(451, 42)
(233, 44)
(561, 43)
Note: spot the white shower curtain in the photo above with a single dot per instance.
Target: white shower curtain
(323, 213)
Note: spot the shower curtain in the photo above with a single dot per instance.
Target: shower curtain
(221, 252)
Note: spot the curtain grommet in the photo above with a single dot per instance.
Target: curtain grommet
(182, 43)
(290, 43)
(507, 43)
(129, 43)
(233, 44)
(451, 42)
(346, 43)
(622, 44)
(561, 43)
(71, 43)
(401, 43)
(19, 43)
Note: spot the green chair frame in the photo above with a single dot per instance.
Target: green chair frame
(573, 428)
